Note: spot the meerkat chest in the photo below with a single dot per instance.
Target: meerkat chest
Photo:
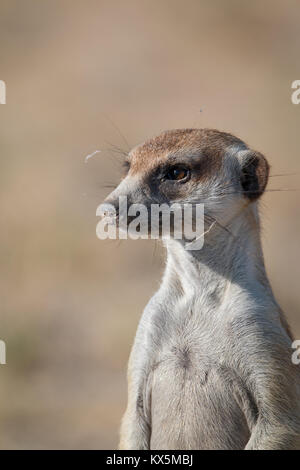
(193, 338)
(193, 385)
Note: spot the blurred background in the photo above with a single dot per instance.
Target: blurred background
(79, 76)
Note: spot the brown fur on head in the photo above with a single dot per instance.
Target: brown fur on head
(210, 146)
(209, 142)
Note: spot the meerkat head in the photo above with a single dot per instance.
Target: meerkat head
(193, 166)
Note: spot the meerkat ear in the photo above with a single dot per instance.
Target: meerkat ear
(254, 174)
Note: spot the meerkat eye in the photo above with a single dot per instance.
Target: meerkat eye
(177, 173)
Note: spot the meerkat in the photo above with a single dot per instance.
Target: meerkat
(211, 364)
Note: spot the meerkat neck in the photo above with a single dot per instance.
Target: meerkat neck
(229, 256)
